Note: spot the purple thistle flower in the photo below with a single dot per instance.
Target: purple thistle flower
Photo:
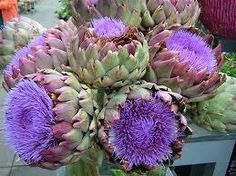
(192, 48)
(144, 133)
(23, 52)
(108, 27)
(28, 119)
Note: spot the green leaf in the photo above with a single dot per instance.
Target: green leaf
(230, 65)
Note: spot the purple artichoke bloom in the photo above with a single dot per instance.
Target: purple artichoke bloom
(108, 27)
(29, 116)
(23, 52)
(193, 49)
(144, 132)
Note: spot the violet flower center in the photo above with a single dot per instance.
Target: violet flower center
(29, 118)
(144, 133)
(108, 27)
(192, 48)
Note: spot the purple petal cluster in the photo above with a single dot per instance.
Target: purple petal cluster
(23, 52)
(194, 49)
(108, 27)
(28, 119)
(144, 132)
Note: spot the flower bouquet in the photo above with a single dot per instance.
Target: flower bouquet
(107, 97)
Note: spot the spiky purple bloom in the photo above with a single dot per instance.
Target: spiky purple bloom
(144, 132)
(192, 48)
(108, 27)
(28, 119)
(23, 52)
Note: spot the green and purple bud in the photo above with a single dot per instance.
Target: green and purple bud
(49, 119)
(108, 54)
(187, 61)
(141, 126)
(51, 54)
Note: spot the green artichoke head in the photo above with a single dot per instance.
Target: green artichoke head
(17, 33)
(51, 53)
(219, 113)
(127, 130)
(187, 61)
(75, 110)
(102, 60)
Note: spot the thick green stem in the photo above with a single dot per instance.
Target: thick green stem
(83, 167)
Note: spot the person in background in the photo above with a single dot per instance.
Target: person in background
(1, 27)
(1, 21)
(8, 10)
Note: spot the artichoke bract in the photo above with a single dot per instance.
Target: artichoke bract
(141, 127)
(16, 34)
(108, 54)
(144, 14)
(50, 119)
(47, 51)
(187, 61)
(219, 113)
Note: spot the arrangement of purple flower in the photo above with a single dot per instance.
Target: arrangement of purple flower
(105, 86)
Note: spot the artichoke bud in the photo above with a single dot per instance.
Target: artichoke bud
(63, 116)
(46, 51)
(127, 126)
(218, 113)
(185, 60)
(108, 54)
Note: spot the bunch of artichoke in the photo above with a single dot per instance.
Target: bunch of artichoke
(144, 14)
(16, 34)
(219, 113)
(101, 90)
